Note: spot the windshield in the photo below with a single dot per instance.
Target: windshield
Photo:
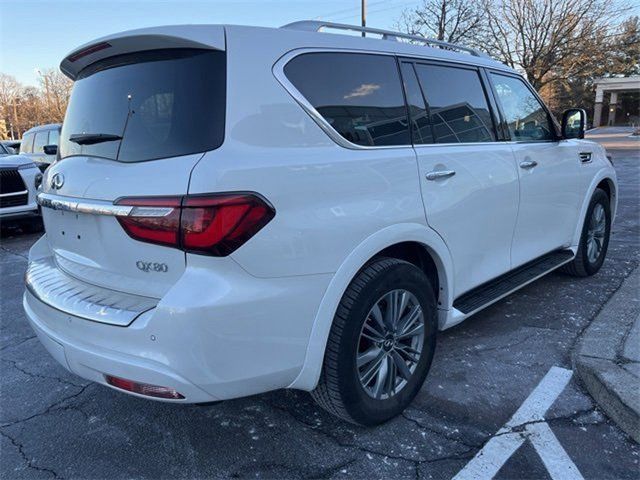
(3, 150)
(147, 105)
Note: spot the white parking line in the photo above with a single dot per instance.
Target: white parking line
(529, 423)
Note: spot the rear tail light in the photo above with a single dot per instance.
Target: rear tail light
(143, 388)
(216, 224)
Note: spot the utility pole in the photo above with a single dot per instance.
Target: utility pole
(363, 15)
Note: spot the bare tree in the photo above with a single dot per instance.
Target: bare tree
(456, 21)
(549, 39)
(9, 96)
(56, 89)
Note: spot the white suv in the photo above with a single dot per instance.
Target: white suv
(239, 209)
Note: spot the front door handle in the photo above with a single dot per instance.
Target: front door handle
(528, 164)
(438, 174)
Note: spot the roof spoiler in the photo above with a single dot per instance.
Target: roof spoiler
(179, 36)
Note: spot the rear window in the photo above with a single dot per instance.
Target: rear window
(26, 145)
(53, 137)
(42, 139)
(359, 95)
(162, 103)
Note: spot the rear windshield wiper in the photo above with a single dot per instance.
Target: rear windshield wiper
(93, 138)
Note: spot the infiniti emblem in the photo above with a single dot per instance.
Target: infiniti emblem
(57, 181)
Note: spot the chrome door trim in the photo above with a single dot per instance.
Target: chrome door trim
(98, 207)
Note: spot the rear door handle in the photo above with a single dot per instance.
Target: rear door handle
(528, 164)
(438, 174)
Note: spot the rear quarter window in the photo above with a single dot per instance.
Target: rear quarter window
(359, 95)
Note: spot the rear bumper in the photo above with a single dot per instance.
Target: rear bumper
(93, 362)
(216, 334)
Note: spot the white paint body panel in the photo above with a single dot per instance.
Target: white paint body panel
(258, 319)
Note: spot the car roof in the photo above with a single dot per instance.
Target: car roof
(48, 126)
(305, 34)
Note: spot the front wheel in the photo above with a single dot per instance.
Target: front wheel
(594, 240)
(381, 343)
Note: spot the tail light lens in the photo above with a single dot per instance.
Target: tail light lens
(214, 225)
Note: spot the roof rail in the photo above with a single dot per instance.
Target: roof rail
(317, 25)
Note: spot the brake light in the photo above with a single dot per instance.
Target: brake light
(143, 388)
(88, 51)
(216, 224)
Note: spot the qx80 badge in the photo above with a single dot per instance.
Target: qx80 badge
(152, 267)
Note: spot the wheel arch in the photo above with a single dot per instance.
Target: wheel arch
(607, 181)
(414, 243)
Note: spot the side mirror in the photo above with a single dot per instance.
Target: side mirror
(50, 149)
(574, 123)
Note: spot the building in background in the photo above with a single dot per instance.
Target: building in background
(617, 101)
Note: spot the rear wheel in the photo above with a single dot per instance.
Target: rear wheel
(594, 240)
(381, 343)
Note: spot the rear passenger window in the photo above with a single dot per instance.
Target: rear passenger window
(457, 104)
(420, 125)
(359, 95)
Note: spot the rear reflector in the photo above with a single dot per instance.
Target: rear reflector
(216, 224)
(143, 388)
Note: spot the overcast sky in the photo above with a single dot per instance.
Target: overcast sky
(39, 33)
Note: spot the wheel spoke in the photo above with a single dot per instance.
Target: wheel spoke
(368, 356)
(373, 332)
(404, 301)
(372, 369)
(376, 313)
(381, 378)
(411, 318)
(417, 330)
(392, 375)
(403, 370)
(390, 313)
(409, 354)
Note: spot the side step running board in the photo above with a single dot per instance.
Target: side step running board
(499, 287)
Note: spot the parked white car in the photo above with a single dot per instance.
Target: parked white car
(40, 144)
(240, 209)
(19, 181)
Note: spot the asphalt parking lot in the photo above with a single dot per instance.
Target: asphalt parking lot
(53, 424)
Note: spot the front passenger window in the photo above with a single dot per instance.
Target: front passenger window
(526, 117)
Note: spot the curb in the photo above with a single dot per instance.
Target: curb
(602, 361)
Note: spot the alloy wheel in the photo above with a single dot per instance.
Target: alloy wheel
(596, 233)
(390, 344)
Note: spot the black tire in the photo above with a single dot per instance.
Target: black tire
(581, 266)
(339, 389)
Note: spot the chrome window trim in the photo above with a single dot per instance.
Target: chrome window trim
(278, 72)
(98, 207)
